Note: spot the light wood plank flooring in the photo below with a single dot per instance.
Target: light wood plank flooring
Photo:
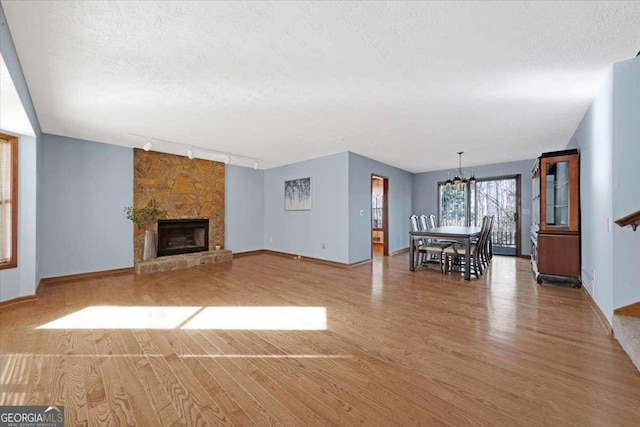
(400, 348)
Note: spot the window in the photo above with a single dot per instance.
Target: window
(467, 204)
(377, 202)
(454, 204)
(8, 201)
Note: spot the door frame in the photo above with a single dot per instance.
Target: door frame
(385, 212)
(518, 178)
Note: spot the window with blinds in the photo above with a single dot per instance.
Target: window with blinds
(8, 201)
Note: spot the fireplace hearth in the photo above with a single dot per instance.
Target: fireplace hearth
(182, 236)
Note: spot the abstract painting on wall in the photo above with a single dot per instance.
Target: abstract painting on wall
(297, 194)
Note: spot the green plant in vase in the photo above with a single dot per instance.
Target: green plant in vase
(144, 218)
(147, 216)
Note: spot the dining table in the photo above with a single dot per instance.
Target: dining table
(459, 234)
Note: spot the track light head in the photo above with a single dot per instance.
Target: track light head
(227, 160)
(255, 165)
(148, 146)
(190, 154)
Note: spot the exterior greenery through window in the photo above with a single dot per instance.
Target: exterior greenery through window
(8, 201)
(468, 204)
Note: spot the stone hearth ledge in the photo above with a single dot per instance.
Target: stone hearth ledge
(179, 262)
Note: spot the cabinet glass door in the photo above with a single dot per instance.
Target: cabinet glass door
(557, 191)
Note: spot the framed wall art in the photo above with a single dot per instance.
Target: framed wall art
(297, 194)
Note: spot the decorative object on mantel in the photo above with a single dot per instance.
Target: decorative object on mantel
(460, 180)
(297, 194)
(145, 218)
(632, 219)
(218, 247)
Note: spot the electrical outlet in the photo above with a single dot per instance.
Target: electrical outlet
(361, 212)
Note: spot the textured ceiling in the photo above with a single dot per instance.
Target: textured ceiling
(13, 118)
(408, 84)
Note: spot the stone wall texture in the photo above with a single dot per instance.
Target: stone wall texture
(184, 188)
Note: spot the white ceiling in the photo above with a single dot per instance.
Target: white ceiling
(408, 84)
(13, 118)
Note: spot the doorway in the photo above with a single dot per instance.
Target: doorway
(500, 197)
(467, 204)
(379, 215)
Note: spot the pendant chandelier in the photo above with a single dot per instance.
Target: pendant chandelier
(460, 180)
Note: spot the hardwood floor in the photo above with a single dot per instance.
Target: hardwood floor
(377, 249)
(400, 348)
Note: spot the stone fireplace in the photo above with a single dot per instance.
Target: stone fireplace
(189, 190)
(183, 236)
(185, 188)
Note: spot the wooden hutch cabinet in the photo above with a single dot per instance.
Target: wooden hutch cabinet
(555, 233)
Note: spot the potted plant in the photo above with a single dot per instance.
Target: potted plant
(145, 218)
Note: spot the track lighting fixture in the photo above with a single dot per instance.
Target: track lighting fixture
(165, 145)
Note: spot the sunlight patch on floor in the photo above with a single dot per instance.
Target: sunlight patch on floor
(174, 317)
(123, 317)
(260, 318)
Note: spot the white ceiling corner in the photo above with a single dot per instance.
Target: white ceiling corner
(406, 83)
(13, 117)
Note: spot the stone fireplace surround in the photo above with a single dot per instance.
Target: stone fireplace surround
(178, 262)
(186, 189)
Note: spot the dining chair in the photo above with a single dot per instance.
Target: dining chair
(487, 252)
(428, 248)
(415, 226)
(424, 222)
(457, 252)
(432, 221)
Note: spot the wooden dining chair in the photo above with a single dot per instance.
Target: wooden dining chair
(485, 248)
(457, 252)
(428, 248)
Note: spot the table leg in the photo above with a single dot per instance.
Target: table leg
(467, 259)
(412, 266)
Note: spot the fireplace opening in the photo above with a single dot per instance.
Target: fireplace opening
(182, 236)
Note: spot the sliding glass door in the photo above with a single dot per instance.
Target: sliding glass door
(467, 204)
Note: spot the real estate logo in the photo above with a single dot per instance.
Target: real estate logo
(31, 416)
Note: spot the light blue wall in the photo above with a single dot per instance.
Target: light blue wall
(22, 281)
(626, 179)
(85, 187)
(594, 139)
(244, 209)
(400, 200)
(15, 282)
(304, 232)
(425, 191)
